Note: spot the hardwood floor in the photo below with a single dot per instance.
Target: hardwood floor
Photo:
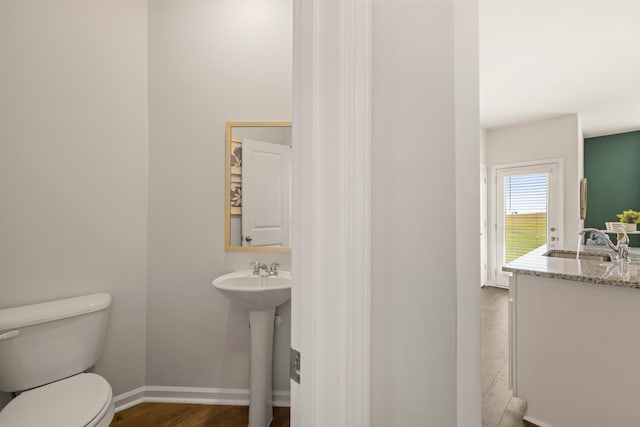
(190, 415)
(499, 407)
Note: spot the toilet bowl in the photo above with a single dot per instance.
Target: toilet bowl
(83, 400)
(44, 351)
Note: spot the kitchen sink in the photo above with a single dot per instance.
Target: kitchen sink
(587, 256)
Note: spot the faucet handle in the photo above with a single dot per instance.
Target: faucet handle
(624, 240)
(273, 269)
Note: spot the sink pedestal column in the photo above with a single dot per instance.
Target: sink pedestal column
(260, 393)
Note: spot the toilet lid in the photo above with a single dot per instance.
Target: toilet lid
(74, 401)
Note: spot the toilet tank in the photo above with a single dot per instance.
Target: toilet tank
(42, 343)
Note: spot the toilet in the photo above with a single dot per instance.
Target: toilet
(45, 351)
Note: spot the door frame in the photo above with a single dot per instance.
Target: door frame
(493, 207)
(484, 225)
(331, 246)
(331, 238)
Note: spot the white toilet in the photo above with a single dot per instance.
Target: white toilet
(44, 350)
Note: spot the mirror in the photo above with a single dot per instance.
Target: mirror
(258, 187)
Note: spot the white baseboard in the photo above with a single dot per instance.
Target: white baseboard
(203, 395)
(127, 400)
(536, 422)
(198, 395)
(495, 285)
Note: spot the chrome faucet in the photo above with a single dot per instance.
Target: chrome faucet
(273, 270)
(622, 248)
(259, 268)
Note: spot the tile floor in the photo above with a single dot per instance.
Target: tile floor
(499, 408)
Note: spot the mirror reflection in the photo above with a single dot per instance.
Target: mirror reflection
(258, 187)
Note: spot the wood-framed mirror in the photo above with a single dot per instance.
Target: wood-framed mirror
(258, 187)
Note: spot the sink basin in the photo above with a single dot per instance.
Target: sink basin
(260, 295)
(587, 256)
(253, 292)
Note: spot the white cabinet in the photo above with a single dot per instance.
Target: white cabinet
(575, 351)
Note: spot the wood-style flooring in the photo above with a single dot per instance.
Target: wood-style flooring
(190, 415)
(499, 407)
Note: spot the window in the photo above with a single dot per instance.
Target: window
(525, 213)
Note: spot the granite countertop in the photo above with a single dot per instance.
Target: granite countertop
(612, 273)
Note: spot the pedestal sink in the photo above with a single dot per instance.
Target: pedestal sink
(260, 295)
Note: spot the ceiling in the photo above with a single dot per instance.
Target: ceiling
(548, 58)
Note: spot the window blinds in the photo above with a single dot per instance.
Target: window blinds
(525, 213)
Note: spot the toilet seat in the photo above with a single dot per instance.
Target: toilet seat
(78, 401)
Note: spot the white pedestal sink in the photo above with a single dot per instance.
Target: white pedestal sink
(260, 295)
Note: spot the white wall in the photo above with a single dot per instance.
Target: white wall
(468, 204)
(73, 164)
(209, 62)
(554, 138)
(580, 141)
(413, 358)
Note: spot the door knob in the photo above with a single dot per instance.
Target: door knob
(552, 229)
(248, 238)
(553, 239)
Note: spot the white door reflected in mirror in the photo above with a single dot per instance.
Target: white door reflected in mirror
(258, 187)
(266, 192)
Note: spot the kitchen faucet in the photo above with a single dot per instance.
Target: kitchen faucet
(622, 248)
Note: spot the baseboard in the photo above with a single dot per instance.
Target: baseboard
(127, 400)
(281, 398)
(495, 285)
(198, 395)
(203, 395)
(536, 422)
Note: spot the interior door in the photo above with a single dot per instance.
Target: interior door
(527, 212)
(266, 198)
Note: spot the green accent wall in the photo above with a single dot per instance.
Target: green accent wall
(612, 169)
